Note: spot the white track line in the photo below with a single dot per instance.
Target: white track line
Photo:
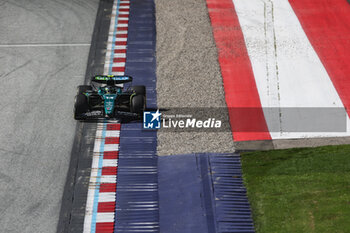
(40, 45)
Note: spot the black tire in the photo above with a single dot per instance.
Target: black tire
(83, 88)
(139, 90)
(137, 104)
(80, 106)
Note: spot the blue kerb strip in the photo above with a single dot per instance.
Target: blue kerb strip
(203, 193)
(208, 198)
(98, 180)
(137, 208)
(114, 37)
(140, 55)
(232, 209)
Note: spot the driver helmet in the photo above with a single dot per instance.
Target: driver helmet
(108, 90)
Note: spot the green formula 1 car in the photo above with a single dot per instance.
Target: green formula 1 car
(106, 98)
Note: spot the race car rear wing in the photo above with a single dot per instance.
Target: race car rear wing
(111, 78)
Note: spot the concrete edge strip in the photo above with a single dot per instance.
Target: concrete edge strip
(74, 194)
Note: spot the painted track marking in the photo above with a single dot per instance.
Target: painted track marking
(300, 79)
(246, 116)
(271, 70)
(326, 24)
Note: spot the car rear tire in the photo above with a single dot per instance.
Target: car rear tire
(137, 104)
(81, 106)
(139, 90)
(83, 88)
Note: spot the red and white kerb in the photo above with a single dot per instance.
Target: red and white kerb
(101, 200)
(117, 39)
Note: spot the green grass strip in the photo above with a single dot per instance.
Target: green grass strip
(299, 190)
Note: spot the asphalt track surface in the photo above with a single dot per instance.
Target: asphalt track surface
(44, 47)
(188, 74)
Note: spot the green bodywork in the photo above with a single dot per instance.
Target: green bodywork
(107, 99)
